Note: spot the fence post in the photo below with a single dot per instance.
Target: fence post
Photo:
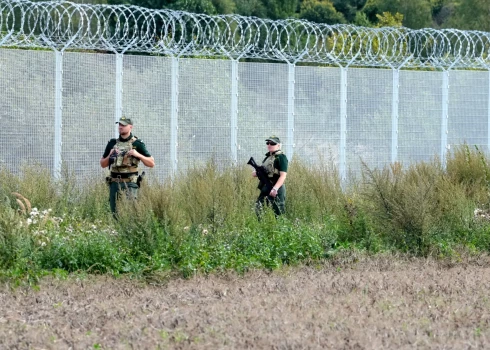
(444, 116)
(343, 117)
(174, 112)
(234, 101)
(343, 125)
(58, 115)
(174, 103)
(395, 114)
(290, 133)
(291, 105)
(445, 112)
(119, 91)
(234, 112)
(395, 106)
(58, 104)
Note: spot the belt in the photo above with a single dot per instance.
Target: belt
(122, 175)
(115, 179)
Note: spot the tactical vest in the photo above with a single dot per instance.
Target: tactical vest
(123, 162)
(268, 164)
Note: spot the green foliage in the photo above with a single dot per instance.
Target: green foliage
(320, 11)
(281, 9)
(362, 20)
(349, 8)
(11, 236)
(471, 15)
(468, 14)
(196, 6)
(254, 8)
(224, 6)
(386, 19)
(204, 219)
(416, 13)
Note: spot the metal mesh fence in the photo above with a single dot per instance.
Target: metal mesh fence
(317, 111)
(204, 112)
(262, 107)
(420, 116)
(59, 107)
(26, 108)
(369, 128)
(146, 98)
(88, 104)
(375, 121)
(469, 109)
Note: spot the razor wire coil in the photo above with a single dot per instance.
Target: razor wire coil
(64, 25)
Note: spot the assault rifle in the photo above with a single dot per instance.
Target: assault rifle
(262, 175)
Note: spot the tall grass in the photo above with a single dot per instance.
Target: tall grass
(204, 219)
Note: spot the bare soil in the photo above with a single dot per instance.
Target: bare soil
(363, 303)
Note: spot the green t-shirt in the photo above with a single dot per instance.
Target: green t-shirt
(137, 144)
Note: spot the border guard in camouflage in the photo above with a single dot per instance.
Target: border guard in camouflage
(275, 165)
(123, 156)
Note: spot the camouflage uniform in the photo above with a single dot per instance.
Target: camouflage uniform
(124, 169)
(273, 163)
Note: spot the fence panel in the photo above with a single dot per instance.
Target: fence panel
(262, 107)
(147, 101)
(420, 116)
(317, 110)
(204, 112)
(27, 82)
(468, 109)
(369, 100)
(88, 110)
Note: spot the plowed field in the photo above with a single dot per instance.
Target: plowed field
(369, 303)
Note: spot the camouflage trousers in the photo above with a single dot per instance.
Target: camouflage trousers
(278, 203)
(117, 188)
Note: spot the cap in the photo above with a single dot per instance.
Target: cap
(274, 139)
(125, 121)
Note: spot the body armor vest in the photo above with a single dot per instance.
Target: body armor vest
(268, 164)
(123, 162)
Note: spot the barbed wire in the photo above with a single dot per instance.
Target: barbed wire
(65, 25)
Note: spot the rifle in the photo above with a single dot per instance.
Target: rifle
(262, 175)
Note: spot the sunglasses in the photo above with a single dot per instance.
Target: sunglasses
(270, 143)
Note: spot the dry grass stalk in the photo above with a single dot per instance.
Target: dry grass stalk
(20, 198)
(22, 207)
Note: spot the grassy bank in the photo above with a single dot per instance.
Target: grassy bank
(204, 221)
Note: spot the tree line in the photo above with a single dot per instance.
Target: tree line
(415, 14)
